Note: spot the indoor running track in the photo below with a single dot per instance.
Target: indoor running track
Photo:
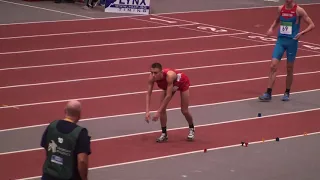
(43, 65)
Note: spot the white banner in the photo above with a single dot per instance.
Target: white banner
(127, 6)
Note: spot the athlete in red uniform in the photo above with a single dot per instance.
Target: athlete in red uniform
(170, 81)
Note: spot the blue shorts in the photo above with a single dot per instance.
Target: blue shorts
(285, 44)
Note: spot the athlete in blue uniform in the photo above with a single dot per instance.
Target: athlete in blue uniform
(289, 17)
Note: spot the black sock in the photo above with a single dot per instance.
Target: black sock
(269, 91)
(287, 91)
(191, 126)
(164, 130)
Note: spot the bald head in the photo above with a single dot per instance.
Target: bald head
(73, 109)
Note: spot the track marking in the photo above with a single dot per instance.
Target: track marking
(268, 39)
(139, 113)
(274, 39)
(312, 47)
(250, 38)
(226, 147)
(135, 57)
(178, 128)
(154, 22)
(4, 105)
(198, 151)
(71, 20)
(191, 152)
(99, 31)
(143, 92)
(211, 29)
(143, 73)
(163, 20)
(199, 28)
(232, 9)
(203, 27)
(231, 29)
(137, 15)
(186, 153)
(20, 4)
(121, 43)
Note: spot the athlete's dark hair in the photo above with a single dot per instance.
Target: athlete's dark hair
(156, 65)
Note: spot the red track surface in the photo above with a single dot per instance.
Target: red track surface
(134, 103)
(111, 68)
(70, 26)
(10, 45)
(262, 17)
(129, 50)
(144, 146)
(120, 84)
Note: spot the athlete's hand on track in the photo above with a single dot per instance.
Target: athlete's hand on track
(156, 116)
(147, 118)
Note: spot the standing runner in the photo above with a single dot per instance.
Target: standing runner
(289, 17)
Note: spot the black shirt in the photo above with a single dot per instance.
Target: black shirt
(82, 146)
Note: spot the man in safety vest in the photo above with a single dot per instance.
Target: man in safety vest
(67, 147)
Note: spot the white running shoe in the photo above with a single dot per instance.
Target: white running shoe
(191, 134)
(162, 138)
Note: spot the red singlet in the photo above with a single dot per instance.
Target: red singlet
(181, 83)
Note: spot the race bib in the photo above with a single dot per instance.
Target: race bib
(57, 159)
(178, 77)
(286, 28)
(175, 88)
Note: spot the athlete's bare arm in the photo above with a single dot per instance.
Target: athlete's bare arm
(170, 78)
(275, 22)
(303, 14)
(148, 96)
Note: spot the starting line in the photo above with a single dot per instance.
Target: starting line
(220, 30)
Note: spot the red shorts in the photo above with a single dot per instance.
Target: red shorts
(184, 83)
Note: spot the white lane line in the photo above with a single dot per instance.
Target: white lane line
(187, 21)
(143, 92)
(120, 43)
(138, 15)
(235, 36)
(188, 153)
(140, 113)
(98, 31)
(197, 151)
(231, 9)
(178, 128)
(198, 23)
(182, 154)
(135, 57)
(141, 73)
